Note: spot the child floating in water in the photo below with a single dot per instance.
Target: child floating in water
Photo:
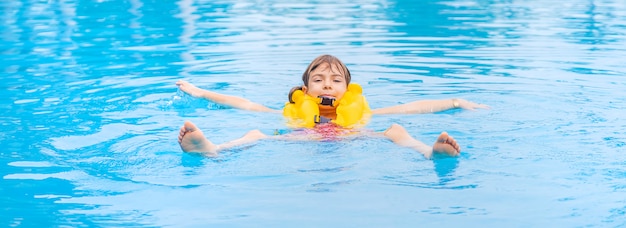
(326, 105)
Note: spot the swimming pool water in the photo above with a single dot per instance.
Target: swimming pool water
(90, 113)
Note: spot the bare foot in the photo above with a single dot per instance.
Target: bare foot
(189, 88)
(191, 139)
(445, 144)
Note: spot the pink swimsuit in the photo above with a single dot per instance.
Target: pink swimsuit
(327, 131)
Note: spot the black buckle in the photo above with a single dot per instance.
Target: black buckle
(320, 119)
(328, 101)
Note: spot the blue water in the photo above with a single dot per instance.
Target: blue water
(90, 113)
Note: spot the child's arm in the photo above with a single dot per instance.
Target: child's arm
(428, 106)
(231, 101)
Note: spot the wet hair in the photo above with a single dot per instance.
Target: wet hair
(332, 61)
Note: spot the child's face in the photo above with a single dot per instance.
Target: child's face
(326, 81)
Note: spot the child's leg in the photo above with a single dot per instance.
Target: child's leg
(445, 144)
(191, 139)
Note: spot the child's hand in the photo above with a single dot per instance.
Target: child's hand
(189, 88)
(465, 104)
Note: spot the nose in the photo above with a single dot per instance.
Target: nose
(327, 84)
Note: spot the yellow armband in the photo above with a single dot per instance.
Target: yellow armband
(352, 109)
(304, 112)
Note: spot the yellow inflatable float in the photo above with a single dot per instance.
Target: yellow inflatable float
(352, 109)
